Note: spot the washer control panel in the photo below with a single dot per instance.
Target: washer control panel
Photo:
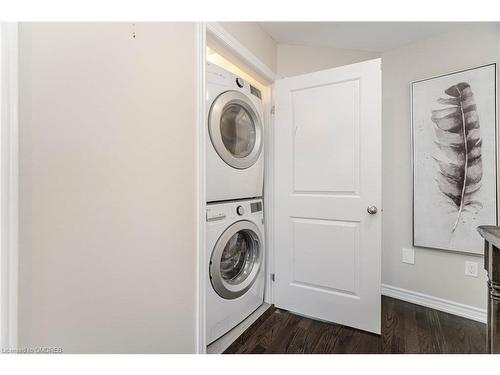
(220, 212)
(256, 206)
(216, 213)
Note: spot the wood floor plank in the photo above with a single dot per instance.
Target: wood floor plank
(282, 341)
(302, 335)
(429, 331)
(390, 321)
(406, 328)
(461, 336)
(265, 333)
(250, 332)
(312, 337)
(409, 328)
(366, 343)
(402, 328)
(328, 338)
(343, 342)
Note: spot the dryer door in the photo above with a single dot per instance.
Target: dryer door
(236, 260)
(236, 129)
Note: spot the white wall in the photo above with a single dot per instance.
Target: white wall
(255, 39)
(436, 273)
(107, 187)
(294, 60)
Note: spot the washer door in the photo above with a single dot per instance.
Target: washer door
(235, 129)
(236, 260)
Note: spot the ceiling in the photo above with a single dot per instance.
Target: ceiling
(367, 36)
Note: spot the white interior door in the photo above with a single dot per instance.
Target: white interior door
(327, 174)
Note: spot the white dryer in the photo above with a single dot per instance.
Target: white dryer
(235, 256)
(235, 137)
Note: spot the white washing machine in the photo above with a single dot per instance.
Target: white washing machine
(235, 253)
(235, 137)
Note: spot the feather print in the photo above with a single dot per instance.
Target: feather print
(458, 141)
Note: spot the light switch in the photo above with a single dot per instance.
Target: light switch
(408, 255)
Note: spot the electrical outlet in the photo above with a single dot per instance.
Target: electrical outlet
(408, 255)
(471, 269)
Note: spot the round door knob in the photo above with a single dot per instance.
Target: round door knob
(240, 210)
(372, 210)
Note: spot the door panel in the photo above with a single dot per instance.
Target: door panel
(321, 141)
(325, 254)
(327, 172)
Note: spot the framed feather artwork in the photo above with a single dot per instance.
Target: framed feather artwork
(454, 141)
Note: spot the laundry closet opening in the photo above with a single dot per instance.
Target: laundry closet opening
(237, 255)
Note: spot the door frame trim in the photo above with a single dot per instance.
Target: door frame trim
(9, 185)
(216, 33)
(202, 271)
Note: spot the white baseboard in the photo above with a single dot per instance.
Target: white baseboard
(437, 303)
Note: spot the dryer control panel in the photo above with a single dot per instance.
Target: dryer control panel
(220, 76)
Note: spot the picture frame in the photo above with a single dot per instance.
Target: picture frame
(454, 182)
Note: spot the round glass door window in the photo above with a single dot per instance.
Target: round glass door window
(238, 257)
(235, 129)
(236, 260)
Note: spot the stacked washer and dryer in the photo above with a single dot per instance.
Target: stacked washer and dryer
(235, 215)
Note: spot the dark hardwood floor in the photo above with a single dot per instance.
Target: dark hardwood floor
(406, 328)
